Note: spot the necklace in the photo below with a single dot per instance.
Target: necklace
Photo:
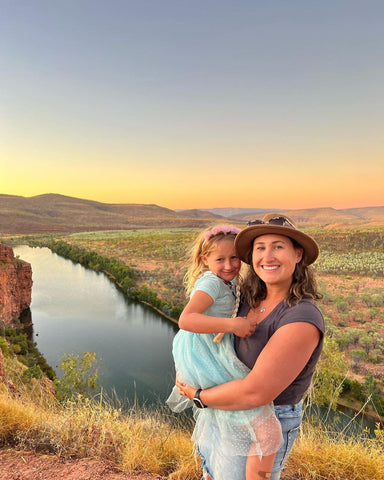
(264, 307)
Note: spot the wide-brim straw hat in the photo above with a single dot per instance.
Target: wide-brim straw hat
(278, 224)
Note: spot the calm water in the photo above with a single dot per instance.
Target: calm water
(75, 310)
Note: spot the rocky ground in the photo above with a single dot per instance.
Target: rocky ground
(22, 465)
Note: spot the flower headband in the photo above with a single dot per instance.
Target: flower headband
(221, 229)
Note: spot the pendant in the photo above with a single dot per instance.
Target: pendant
(262, 309)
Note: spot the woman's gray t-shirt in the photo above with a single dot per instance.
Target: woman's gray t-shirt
(248, 349)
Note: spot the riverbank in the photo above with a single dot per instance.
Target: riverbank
(367, 412)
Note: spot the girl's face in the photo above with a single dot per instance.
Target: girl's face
(274, 259)
(222, 260)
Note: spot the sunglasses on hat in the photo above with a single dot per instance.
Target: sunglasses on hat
(280, 221)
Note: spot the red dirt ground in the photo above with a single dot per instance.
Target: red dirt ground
(19, 465)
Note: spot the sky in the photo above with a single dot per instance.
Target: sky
(194, 103)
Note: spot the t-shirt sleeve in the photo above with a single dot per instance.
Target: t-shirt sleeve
(208, 284)
(305, 311)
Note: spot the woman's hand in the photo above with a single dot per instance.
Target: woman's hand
(243, 326)
(185, 389)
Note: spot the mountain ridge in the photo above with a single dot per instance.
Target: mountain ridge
(60, 213)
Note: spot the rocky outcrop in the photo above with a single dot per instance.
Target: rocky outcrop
(15, 286)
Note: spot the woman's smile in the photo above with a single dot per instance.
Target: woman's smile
(274, 258)
(270, 267)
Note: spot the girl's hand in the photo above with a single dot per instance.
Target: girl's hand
(243, 327)
(185, 389)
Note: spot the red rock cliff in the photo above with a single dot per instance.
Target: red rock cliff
(15, 286)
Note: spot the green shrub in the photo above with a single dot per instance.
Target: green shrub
(373, 312)
(342, 306)
(4, 346)
(81, 373)
(358, 355)
(354, 388)
(33, 372)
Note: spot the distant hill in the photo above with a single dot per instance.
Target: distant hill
(60, 213)
(233, 212)
(329, 218)
(195, 213)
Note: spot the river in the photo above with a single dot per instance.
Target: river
(75, 310)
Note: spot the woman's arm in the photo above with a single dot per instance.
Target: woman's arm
(280, 362)
(194, 320)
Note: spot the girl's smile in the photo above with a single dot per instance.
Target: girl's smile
(222, 260)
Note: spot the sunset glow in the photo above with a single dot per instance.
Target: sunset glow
(194, 105)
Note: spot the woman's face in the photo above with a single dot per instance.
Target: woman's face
(274, 259)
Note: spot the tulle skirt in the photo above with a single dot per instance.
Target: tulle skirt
(202, 363)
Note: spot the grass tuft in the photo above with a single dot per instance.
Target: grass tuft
(317, 455)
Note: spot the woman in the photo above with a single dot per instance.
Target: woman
(278, 294)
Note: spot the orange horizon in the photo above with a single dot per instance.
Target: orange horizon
(205, 207)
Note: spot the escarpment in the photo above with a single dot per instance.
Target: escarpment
(15, 286)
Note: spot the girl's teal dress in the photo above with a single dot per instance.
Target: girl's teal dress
(202, 363)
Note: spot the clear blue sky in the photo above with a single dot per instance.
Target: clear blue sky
(194, 103)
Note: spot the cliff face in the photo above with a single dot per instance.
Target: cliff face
(15, 286)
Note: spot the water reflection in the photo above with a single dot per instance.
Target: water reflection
(76, 310)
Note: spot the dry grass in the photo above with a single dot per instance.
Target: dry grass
(140, 441)
(319, 456)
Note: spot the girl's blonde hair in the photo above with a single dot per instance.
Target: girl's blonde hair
(203, 246)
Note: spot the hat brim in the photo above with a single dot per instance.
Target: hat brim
(244, 240)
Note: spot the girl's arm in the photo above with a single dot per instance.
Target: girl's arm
(193, 319)
(280, 362)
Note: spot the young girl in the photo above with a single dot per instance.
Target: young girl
(203, 361)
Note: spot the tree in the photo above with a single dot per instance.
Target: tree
(81, 373)
(329, 374)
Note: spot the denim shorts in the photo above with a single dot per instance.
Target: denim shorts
(290, 418)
